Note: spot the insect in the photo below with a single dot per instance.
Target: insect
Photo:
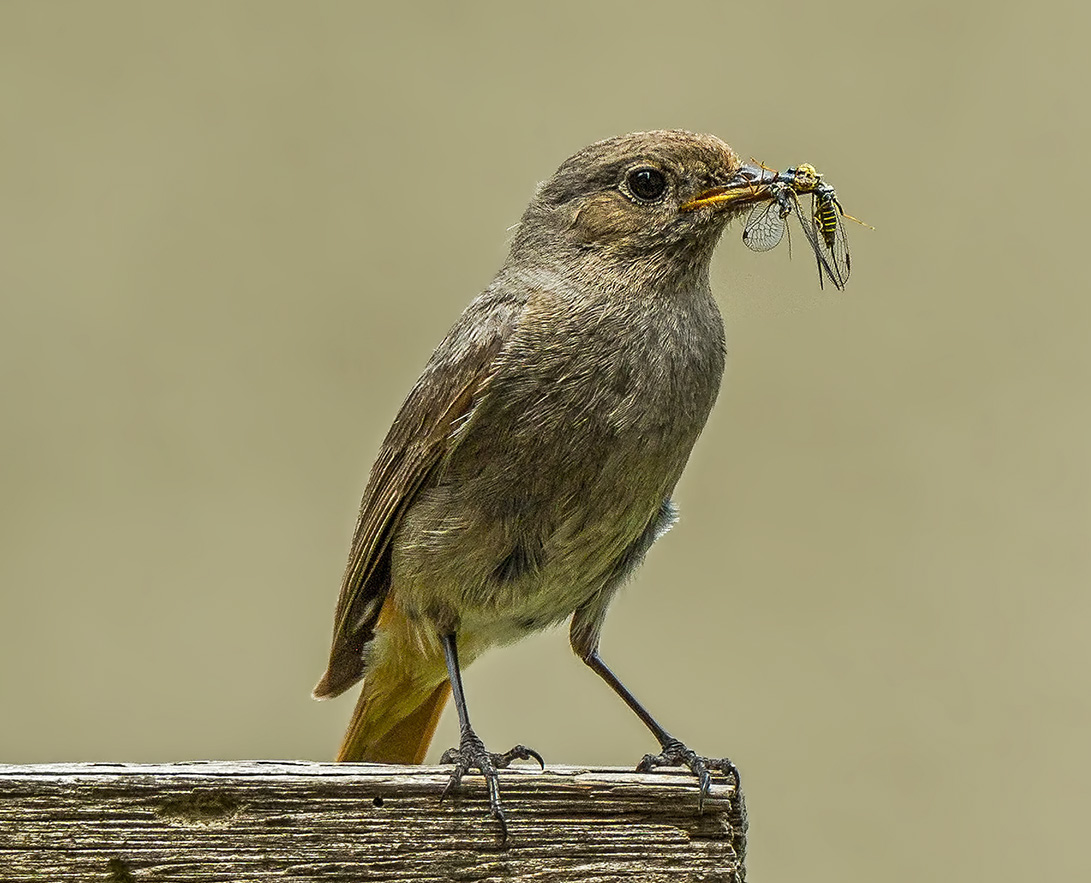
(766, 223)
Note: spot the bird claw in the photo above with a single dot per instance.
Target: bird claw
(676, 753)
(471, 754)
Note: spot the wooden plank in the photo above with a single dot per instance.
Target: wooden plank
(258, 821)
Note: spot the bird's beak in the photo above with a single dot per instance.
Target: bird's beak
(750, 183)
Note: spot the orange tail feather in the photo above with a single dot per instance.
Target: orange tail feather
(371, 738)
(405, 689)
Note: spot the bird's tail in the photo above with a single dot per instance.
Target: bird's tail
(381, 734)
(404, 691)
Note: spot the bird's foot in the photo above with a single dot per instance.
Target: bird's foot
(472, 755)
(675, 753)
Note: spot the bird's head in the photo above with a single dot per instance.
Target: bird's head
(652, 200)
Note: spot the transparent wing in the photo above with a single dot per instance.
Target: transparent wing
(764, 227)
(811, 224)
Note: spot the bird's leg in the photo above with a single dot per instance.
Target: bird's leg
(673, 752)
(584, 638)
(471, 752)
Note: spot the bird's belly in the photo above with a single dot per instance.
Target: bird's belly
(464, 565)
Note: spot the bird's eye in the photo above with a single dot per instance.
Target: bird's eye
(646, 184)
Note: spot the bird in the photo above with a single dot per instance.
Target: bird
(532, 465)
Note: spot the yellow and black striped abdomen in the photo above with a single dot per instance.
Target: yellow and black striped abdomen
(825, 218)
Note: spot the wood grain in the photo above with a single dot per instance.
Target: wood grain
(258, 821)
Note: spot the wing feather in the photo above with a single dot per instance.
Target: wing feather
(424, 432)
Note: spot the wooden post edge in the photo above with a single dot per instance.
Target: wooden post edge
(259, 821)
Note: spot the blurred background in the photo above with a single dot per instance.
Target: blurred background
(231, 234)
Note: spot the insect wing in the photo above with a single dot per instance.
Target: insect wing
(764, 227)
(809, 221)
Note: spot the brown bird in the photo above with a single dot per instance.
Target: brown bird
(532, 464)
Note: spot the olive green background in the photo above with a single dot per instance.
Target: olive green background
(231, 234)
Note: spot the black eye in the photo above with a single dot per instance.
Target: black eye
(646, 184)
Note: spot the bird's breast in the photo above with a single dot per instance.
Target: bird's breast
(615, 366)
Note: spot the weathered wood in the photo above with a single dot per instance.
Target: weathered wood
(257, 821)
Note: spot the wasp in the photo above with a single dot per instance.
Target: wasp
(766, 224)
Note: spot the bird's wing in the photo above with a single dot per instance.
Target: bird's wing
(424, 431)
